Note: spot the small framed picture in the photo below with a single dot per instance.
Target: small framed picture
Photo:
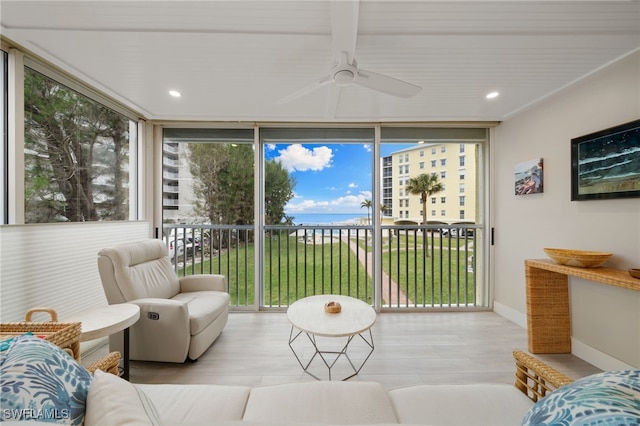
(528, 177)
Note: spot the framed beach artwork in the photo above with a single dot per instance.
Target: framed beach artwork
(606, 164)
(528, 177)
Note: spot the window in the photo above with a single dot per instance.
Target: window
(443, 162)
(422, 153)
(421, 165)
(433, 213)
(443, 213)
(461, 176)
(433, 151)
(443, 200)
(443, 148)
(433, 163)
(4, 138)
(462, 161)
(443, 174)
(461, 147)
(433, 200)
(461, 214)
(462, 200)
(76, 155)
(195, 164)
(462, 188)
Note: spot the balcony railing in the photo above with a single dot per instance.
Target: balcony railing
(422, 266)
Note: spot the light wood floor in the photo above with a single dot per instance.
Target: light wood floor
(410, 349)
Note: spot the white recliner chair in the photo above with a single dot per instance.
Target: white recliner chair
(179, 317)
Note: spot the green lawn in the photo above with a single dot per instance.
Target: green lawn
(293, 270)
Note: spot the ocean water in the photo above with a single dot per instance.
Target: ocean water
(610, 166)
(327, 218)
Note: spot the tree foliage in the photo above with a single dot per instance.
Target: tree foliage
(224, 184)
(76, 155)
(424, 185)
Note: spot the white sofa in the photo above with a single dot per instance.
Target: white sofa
(180, 317)
(111, 400)
(41, 382)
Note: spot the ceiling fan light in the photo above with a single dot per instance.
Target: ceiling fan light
(343, 77)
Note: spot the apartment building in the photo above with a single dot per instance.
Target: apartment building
(455, 164)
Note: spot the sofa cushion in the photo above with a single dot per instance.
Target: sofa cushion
(197, 404)
(204, 307)
(320, 402)
(40, 381)
(605, 398)
(472, 404)
(114, 401)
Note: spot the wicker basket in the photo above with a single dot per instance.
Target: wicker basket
(66, 335)
(109, 364)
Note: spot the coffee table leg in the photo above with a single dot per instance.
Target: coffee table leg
(338, 354)
(125, 373)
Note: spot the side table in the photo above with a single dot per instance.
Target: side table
(308, 316)
(107, 320)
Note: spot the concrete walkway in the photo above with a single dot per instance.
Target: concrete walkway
(390, 290)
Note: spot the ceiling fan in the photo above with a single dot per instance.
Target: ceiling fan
(344, 30)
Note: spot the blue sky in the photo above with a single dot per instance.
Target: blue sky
(330, 178)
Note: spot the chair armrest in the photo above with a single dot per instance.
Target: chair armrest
(205, 282)
(177, 310)
(536, 379)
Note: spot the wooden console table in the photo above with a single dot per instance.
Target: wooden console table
(548, 315)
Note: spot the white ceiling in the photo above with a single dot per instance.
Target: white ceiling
(233, 60)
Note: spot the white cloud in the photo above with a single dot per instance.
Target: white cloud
(353, 185)
(298, 158)
(367, 147)
(306, 205)
(350, 203)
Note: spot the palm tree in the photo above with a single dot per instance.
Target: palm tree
(367, 204)
(425, 185)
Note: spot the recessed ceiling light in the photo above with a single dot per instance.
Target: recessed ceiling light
(420, 142)
(175, 93)
(493, 95)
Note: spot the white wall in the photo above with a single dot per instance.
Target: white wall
(605, 319)
(56, 265)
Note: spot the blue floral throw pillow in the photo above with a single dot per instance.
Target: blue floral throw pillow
(611, 398)
(39, 381)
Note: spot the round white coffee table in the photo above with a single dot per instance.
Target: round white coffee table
(107, 320)
(308, 317)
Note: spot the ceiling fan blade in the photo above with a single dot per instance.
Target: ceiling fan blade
(385, 84)
(344, 27)
(305, 90)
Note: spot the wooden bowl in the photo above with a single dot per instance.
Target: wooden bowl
(580, 258)
(332, 307)
(634, 272)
